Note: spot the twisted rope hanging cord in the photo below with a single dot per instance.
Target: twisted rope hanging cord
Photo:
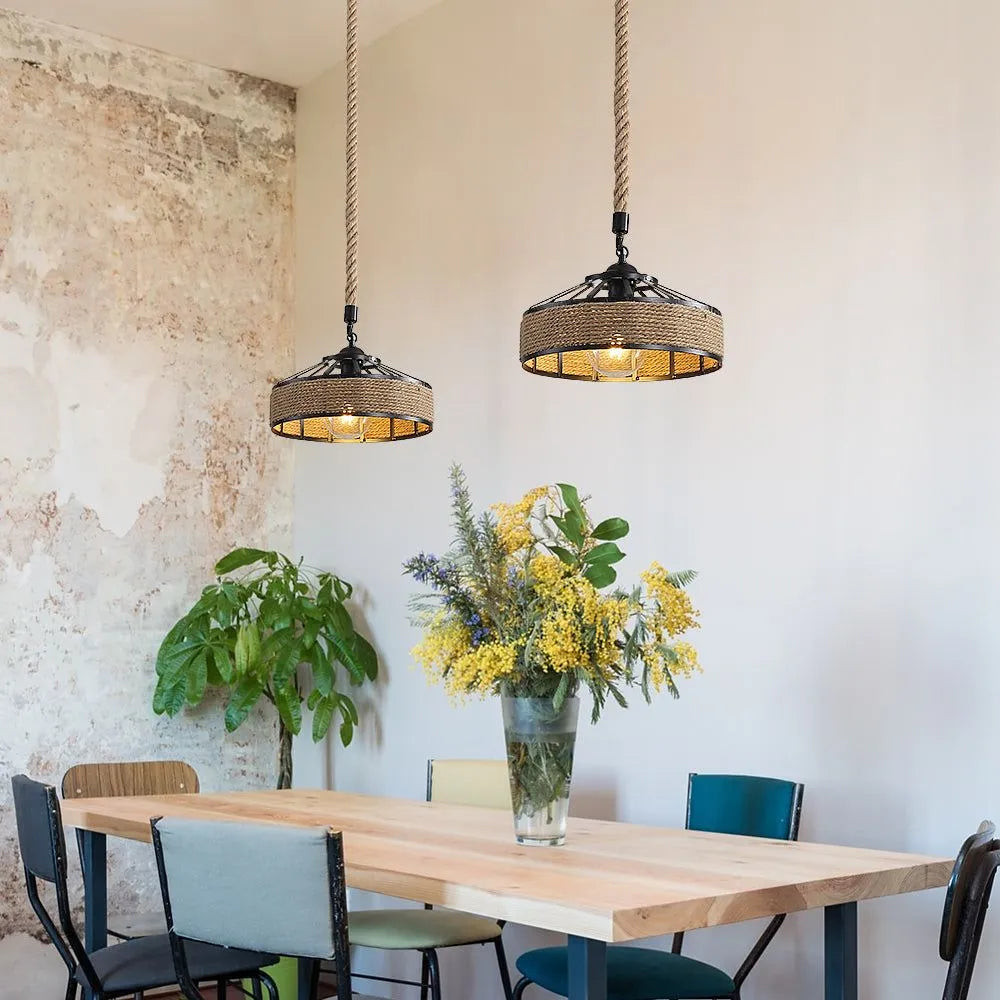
(621, 99)
(351, 144)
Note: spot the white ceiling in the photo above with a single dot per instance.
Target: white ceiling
(290, 41)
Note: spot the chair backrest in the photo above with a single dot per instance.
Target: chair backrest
(43, 854)
(144, 777)
(263, 887)
(469, 783)
(745, 805)
(966, 902)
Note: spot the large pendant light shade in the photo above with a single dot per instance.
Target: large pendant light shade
(351, 396)
(621, 325)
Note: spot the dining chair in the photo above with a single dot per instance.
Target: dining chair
(481, 783)
(121, 969)
(253, 886)
(716, 803)
(966, 901)
(145, 777)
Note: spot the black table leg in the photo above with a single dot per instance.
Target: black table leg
(588, 969)
(308, 978)
(94, 847)
(841, 947)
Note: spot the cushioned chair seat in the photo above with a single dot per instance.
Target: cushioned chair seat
(418, 929)
(145, 963)
(633, 974)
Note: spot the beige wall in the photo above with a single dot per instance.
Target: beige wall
(827, 175)
(145, 300)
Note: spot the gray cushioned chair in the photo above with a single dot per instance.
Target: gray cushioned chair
(482, 783)
(120, 969)
(253, 886)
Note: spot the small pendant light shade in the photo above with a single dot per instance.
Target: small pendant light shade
(621, 325)
(351, 397)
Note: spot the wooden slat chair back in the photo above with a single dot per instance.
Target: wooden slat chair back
(145, 777)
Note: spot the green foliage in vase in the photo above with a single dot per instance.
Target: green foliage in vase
(521, 605)
(250, 633)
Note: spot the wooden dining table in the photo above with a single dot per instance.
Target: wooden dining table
(611, 882)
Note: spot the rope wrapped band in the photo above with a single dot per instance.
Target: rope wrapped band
(675, 340)
(396, 409)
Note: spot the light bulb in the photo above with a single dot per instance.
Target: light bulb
(619, 364)
(348, 427)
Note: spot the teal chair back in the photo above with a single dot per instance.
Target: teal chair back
(744, 805)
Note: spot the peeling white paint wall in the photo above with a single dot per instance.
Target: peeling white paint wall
(145, 302)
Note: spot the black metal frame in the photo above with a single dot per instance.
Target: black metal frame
(308, 963)
(966, 902)
(430, 969)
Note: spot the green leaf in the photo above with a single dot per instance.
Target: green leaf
(241, 652)
(571, 526)
(322, 669)
(559, 698)
(237, 559)
(346, 732)
(245, 695)
(345, 652)
(681, 578)
(176, 664)
(322, 716)
(341, 621)
(610, 530)
(571, 498)
(169, 698)
(600, 575)
(606, 552)
(348, 708)
(564, 554)
(367, 657)
(223, 663)
(197, 677)
(289, 705)
(342, 589)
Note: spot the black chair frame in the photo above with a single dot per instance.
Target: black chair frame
(63, 934)
(966, 903)
(338, 911)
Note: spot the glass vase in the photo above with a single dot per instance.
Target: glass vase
(540, 742)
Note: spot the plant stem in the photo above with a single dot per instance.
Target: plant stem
(284, 756)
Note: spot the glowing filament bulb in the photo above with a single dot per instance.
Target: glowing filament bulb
(348, 427)
(615, 364)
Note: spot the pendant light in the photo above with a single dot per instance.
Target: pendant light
(350, 396)
(621, 325)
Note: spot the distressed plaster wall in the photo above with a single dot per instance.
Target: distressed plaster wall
(145, 301)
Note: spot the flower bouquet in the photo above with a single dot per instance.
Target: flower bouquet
(522, 606)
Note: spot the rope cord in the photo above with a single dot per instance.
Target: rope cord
(621, 101)
(351, 201)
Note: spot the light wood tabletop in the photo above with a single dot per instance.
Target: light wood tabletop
(610, 882)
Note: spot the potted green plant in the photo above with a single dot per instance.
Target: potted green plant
(268, 628)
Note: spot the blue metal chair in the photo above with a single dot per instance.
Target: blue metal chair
(717, 803)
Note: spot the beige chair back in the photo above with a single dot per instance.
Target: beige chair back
(146, 777)
(469, 783)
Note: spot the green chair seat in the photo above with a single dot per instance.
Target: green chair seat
(633, 974)
(419, 929)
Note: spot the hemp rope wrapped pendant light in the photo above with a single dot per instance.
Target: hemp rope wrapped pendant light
(621, 325)
(351, 396)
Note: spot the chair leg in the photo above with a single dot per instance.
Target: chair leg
(71, 989)
(522, 984)
(435, 973)
(504, 971)
(255, 987)
(425, 976)
(220, 989)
